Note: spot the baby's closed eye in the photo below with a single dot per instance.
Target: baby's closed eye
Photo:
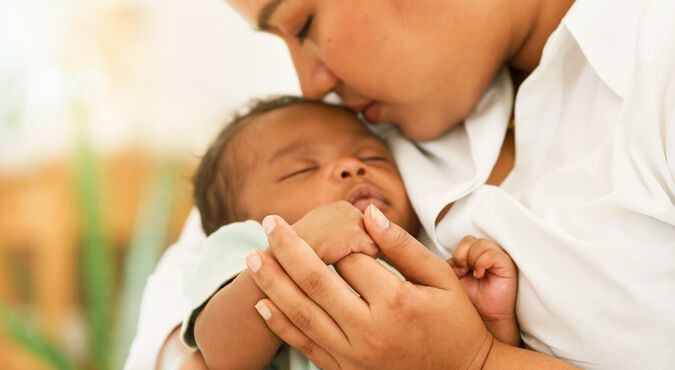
(299, 172)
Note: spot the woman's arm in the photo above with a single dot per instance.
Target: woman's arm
(391, 324)
(505, 357)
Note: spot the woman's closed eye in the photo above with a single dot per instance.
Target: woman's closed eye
(299, 172)
(304, 31)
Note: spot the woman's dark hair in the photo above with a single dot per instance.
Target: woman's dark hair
(214, 183)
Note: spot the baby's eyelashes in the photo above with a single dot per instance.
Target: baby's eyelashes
(299, 172)
(374, 159)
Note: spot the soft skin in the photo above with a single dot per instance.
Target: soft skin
(326, 176)
(490, 279)
(445, 54)
(301, 157)
(391, 324)
(422, 66)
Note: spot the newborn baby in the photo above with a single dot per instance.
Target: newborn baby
(313, 164)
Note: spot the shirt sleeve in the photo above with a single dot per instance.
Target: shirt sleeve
(222, 258)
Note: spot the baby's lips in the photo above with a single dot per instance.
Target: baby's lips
(365, 194)
(362, 204)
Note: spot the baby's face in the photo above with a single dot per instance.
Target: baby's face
(304, 156)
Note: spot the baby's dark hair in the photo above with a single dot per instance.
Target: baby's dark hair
(214, 184)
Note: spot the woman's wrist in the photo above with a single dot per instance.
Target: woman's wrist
(483, 352)
(506, 357)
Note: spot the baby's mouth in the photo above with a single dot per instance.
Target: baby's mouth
(364, 195)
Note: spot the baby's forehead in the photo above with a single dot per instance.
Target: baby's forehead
(309, 125)
(308, 121)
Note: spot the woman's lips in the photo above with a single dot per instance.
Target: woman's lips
(372, 112)
(369, 111)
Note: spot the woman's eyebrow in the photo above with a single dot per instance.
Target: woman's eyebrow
(266, 13)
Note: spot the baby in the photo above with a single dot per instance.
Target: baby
(313, 164)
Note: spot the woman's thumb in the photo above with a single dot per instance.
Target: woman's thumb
(412, 259)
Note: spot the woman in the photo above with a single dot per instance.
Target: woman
(586, 213)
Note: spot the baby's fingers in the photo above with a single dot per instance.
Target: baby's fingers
(459, 271)
(484, 262)
(479, 247)
(459, 257)
(367, 246)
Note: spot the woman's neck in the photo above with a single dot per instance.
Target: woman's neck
(531, 30)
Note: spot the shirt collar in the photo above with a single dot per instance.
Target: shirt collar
(606, 32)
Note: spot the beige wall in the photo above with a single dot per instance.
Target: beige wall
(160, 75)
(146, 80)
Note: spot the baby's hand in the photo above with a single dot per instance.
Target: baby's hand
(489, 277)
(335, 231)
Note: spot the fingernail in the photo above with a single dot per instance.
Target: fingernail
(269, 224)
(253, 262)
(380, 219)
(263, 310)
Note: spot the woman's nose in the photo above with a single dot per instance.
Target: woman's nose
(349, 168)
(316, 79)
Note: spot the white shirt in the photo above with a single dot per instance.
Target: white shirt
(587, 212)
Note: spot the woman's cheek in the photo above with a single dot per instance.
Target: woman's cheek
(337, 52)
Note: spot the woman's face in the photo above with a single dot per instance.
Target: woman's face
(420, 64)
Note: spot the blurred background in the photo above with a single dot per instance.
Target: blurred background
(105, 108)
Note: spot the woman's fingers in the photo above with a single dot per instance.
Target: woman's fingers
(304, 313)
(302, 286)
(405, 253)
(284, 329)
(310, 273)
(367, 276)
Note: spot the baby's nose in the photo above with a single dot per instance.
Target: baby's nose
(348, 173)
(350, 167)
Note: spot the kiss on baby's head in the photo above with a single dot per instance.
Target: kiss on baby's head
(287, 156)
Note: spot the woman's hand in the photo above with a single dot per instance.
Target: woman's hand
(426, 322)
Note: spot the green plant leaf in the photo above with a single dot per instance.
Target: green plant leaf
(96, 255)
(148, 241)
(31, 339)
